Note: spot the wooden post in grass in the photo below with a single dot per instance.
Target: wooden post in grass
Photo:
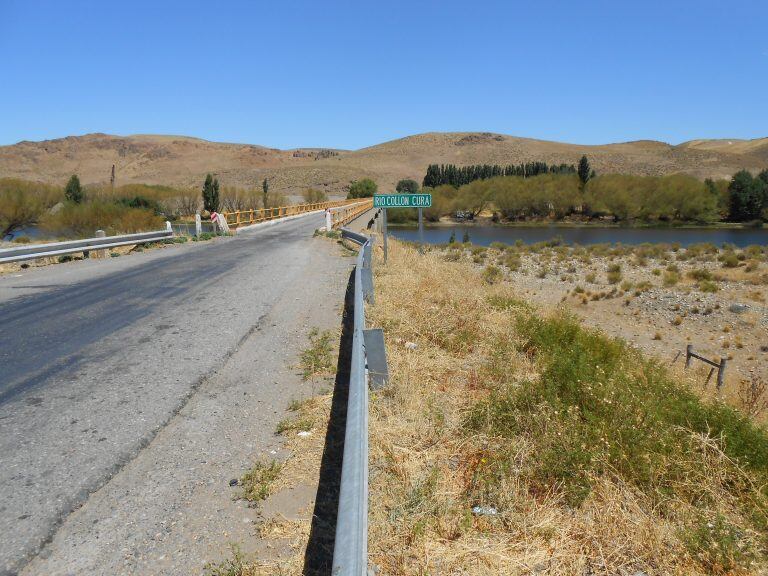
(720, 373)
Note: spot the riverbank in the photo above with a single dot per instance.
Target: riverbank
(584, 235)
(487, 221)
(512, 439)
(657, 298)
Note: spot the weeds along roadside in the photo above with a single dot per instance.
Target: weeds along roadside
(575, 451)
(304, 443)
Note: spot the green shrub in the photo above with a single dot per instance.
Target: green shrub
(512, 261)
(671, 278)
(83, 220)
(318, 358)
(729, 260)
(22, 203)
(364, 188)
(141, 202)
(700, 274)
(707, 286)
(492, 275)
(599, 407)
(257, 482)
(614, 274)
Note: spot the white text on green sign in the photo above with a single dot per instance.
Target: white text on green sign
(402, 200)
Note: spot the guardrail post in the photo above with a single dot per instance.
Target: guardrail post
(688, 350)
(98, 253)
(198, 225)
(168, 227)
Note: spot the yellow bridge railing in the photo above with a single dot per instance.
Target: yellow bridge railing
(342, 215)
(248, 217)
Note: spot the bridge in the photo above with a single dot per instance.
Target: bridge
(133, 388)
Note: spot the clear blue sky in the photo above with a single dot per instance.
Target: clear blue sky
(353, 74)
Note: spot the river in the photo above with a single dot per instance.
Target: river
(484, 235)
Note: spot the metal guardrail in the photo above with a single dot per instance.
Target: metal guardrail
(32, 251)
(350, 552)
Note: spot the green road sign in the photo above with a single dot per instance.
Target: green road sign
(402, 200)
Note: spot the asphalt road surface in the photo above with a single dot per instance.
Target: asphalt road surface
(97, 357)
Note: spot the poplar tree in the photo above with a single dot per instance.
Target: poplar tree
(584, 171)
(211, 193)
(265, 193)
(745, 197)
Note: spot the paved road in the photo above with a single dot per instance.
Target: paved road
(96, 357)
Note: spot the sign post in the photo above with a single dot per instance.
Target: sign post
(419, 201)
(384, 230)
(421, 232)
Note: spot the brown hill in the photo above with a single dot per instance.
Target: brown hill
(184, 161)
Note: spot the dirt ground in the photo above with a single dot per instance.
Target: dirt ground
(731, 322)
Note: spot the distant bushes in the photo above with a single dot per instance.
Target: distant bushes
(538, 190)
(314, 196)
(667, 198)
(127, 208)
(22, 203)
(550, 195)
(112, 217)
(619, 197)
(364, 188)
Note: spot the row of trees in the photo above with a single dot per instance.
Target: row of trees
(453, 175)
(747, 196)
(557, 193)
(621, 197)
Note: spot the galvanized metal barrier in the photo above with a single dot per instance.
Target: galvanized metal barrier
(32, 251)
(350, 552)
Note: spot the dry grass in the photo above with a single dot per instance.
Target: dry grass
(301, 468)
(429, 468)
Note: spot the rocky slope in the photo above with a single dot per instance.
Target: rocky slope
(184, 161)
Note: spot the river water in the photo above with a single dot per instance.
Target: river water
(484, 235)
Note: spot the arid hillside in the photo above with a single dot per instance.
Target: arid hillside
(184, 161)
